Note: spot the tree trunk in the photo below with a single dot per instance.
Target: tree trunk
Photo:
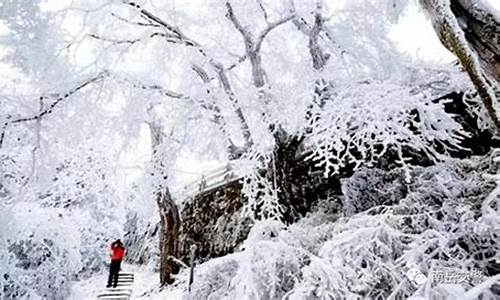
(280, 171)
(169, 213)
(169, 236)
(471, 33)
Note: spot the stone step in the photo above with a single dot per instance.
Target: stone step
(123, 289)
(116, 290)
(114, 294)
(123, 284)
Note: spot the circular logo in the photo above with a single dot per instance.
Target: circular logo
(416, 276)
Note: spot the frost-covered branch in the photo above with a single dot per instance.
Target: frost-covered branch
(218, 118)
(115, 41)
(172, 33)
(264, 11)
(355, 129)
(234, 102)
(53, 105)
(253, 45)
(270, 27)
(319, 59)
(148, 24)
(153, 87)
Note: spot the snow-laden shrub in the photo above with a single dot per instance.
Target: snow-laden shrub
(363, 121)
(437, 226)
(372, 187)
(260, 190)
(212, 279)
(440, 223)
(45, 249)
(265, 269)
(56, 229)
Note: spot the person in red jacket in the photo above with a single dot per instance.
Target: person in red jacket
(117, 253)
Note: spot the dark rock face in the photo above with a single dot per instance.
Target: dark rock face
(213, 221)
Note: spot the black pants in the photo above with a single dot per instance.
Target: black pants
(114, 268)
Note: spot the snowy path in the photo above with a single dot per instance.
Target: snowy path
(144, 285)
(123, 290)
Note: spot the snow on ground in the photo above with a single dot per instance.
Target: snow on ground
(145, 285)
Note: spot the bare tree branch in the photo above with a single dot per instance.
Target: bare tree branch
(319, 59)
(270, 27)
(53, 105)
(218, 118)
(236, 106)
(252, 45)
(231, 16)
(148, 24)
(173, 34)
(114, 41)
(264, 11)
(154, 87)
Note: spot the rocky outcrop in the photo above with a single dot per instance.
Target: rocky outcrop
(214, 222)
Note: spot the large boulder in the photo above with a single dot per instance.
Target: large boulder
(214, 222)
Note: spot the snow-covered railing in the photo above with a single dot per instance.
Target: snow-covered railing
(210, 180)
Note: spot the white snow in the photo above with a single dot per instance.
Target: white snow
(146, 285)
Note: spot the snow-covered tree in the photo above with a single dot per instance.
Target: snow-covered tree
(268, 85)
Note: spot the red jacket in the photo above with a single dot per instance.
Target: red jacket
(117, 252)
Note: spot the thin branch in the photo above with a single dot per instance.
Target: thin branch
(232, 17)
(170, 29)
(236, 106)
(272, 26)
(114, 41)
(174, 35)
(239, 61)
(153, 87)
(149, 24)
(264, 11)
(218, 118)
(306, 29)
(60, 99)
(53, 105)
(253, 46)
